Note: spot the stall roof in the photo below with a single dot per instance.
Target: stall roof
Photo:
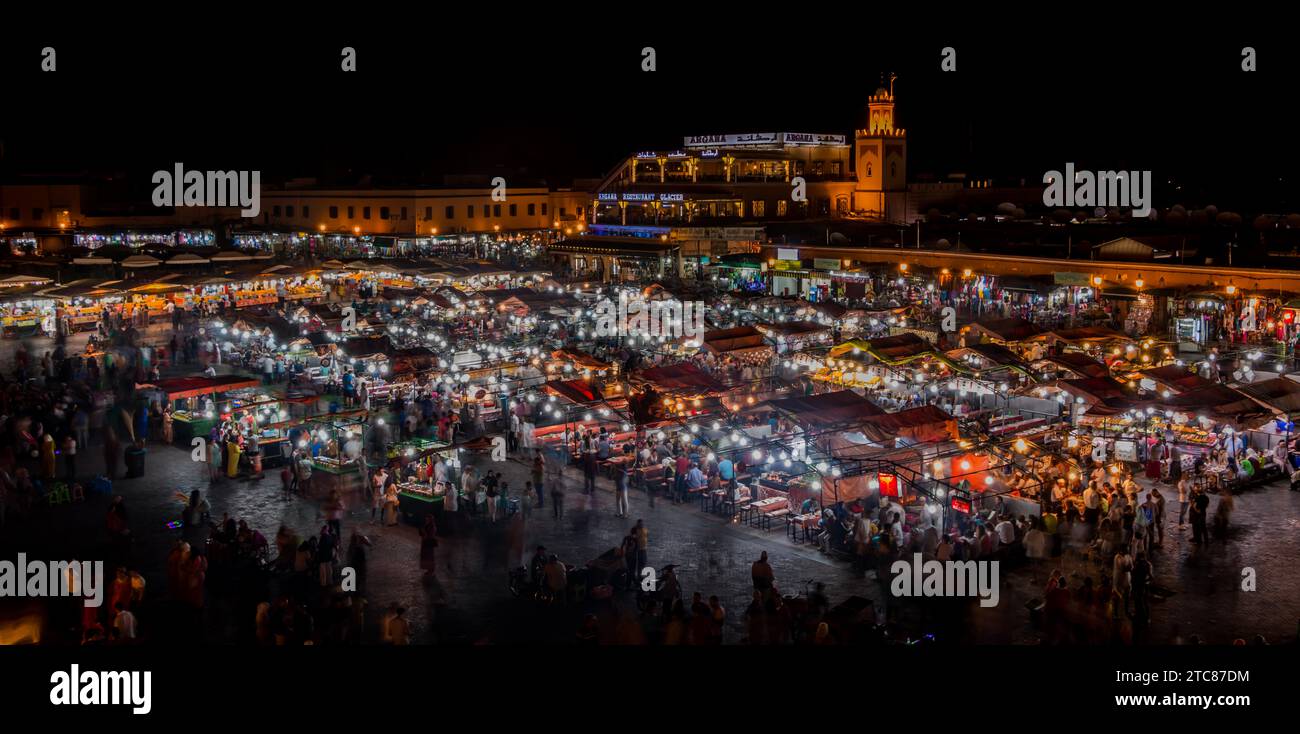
(1085, 334)
(1007, 330)
(995, 353)
(827, 409)
(682, 376)
(579, 358)
(413, 359)
(1177, 377)
(576, 391)
(1221, 400)
(924, 424)
(1281, 393)
(365, 346)
(1100, 390)
(1078, 363)
(793, 328)
(188, 387)
(24, 293)
(740, 338)
(892, 349)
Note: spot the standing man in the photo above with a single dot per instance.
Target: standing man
(589, 472)
(538, 471)
(1182, 501)
(621, 490)
(642, 543)
(682, 464)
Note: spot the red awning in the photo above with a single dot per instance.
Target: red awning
(189, 387)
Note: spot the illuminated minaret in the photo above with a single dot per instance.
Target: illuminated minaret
(880, 154)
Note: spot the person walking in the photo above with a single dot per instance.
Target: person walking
(538, 471)
(492, 501)
(557, 498)
(621, 490)
(429, 547)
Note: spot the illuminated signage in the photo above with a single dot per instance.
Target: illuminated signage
(811, 139)
(647, 154)
(961, 505)
(783, 253)
(644, 196)
(888, 485)
(763, 139)
(709, 153)
(708, 141)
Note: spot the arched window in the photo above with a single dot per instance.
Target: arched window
(868, 169)
(893, 170)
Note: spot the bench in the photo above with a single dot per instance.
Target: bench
(765, 518)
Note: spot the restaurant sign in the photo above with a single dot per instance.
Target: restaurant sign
(763, 139)
(826, 263)
(1080, 279)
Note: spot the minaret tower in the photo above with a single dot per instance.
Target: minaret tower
(880, 157)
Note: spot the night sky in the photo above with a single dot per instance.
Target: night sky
(555, 108)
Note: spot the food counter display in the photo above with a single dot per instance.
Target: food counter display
(304, 291)
(414, 447)
(332, 465)
(22, 323)
(257, 297)
(1195, 439)
(186, 424)
(417, 499)
(81, 318)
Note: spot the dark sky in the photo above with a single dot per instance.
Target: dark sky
(569, 104)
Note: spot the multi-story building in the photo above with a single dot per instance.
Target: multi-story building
(721, 180)
(51, 217)
(417, 212)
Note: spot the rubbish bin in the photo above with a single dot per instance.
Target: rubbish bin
(134, 462)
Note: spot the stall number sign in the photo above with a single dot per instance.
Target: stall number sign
(961, 505)
(888, 485)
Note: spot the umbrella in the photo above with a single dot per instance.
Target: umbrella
(227, 256)
(187, 258)
(140, 261)
(23, 280)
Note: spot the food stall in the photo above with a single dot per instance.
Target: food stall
(336, 442)
(194, 409)
(24, 312)
(418, 492)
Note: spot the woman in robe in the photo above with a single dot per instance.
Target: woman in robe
(47, 456)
